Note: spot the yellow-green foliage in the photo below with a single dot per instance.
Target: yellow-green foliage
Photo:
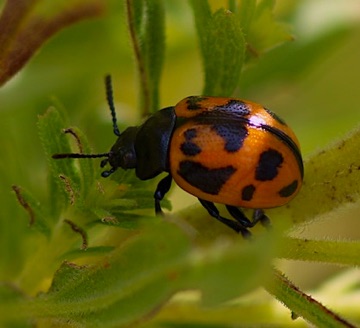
(77, 250)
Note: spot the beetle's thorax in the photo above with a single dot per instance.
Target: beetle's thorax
(144, 148)
(152, 144)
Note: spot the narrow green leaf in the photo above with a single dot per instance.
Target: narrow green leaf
(125, 204)
(326, 251)
(137, 278)
(232, 5)
(154, 47)
(121, 219)
(249, 265)
(68, 275)
(222, 46)
(138, 16)
(127, 287)
(37, 219)
(265, 5)
(202, 16)
(246, 14)
(137, 198)
(90, 251)
(10, 294)
(86, 166)
(224, 57)
(265, 31)
(50, 126)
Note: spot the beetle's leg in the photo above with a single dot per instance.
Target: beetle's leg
(161, 189)
(239, 216)
(104, 162)
(214, 212)
(259, 215)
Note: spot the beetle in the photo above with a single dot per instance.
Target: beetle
(221, 150)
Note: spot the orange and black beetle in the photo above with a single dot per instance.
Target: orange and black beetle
(221, 150)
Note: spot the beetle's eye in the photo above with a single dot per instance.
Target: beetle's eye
(129, 159)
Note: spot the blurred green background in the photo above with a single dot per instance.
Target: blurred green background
(312, 82)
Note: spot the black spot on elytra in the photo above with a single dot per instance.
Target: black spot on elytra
(207, 180)
(190, 134)
(235, 105)
(231, 126)
(281, 135)
(233, 134)
(275, 117)
(288, 190)
(247, 192)
(188, 147)
(269, 163)
(194, 102)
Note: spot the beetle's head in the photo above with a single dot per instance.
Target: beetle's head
(122, 153)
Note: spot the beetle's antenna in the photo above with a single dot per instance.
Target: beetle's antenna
(78, 155)
(110, 100)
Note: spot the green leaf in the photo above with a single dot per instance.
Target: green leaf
(11, 294)
(222, 46)
(265, 5)
(37, 219)
(126, 220)
(138, 277)
(246, 13)
(86, 166)
(90, 251)
(154, 47)
(202, 16)
(249, 266)
(265, 32)
(138, 8)
(136, 198)
(224, 54)
(50, 126)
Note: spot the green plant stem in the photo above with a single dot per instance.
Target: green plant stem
(302, 304)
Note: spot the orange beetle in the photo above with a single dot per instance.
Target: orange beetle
(221, 150)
